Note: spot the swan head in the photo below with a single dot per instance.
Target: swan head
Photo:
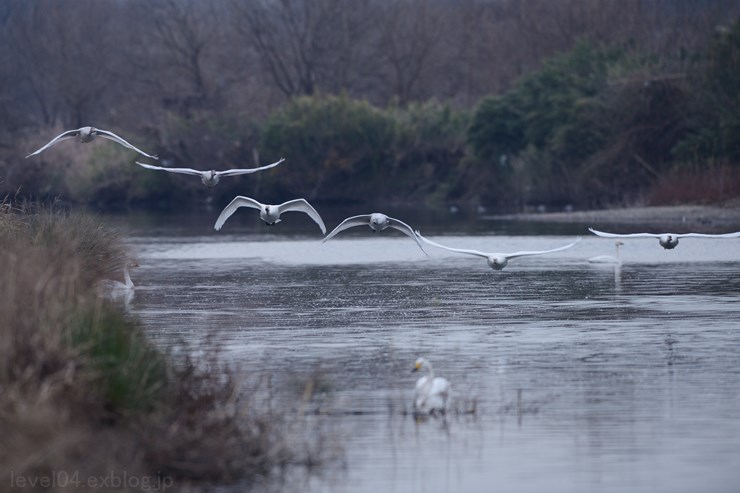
(87, 133)
(209, 178)
(668, 241)
(497, 262)
(420, 364)
(378, 221)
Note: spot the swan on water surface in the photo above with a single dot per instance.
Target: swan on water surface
(666, 240)
(377, 222)
(431, 393)
(270, 214)
(608, 259)
(117, 290)
(87, 134)
(497, 261)
(211, 178)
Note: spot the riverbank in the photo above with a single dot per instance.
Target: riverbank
(700, 218)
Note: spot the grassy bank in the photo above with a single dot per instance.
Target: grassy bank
(85, 394)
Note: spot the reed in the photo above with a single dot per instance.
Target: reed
(82, 388)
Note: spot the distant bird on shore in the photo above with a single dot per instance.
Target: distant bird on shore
(211, 178)
(497, 261)
(430, 393)
(608, 259)
(377, 222)
(270, 214)
(87, 134)
(666, 240)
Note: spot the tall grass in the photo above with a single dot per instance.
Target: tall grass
(83, 390)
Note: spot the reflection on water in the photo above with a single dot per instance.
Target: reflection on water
(585, 378)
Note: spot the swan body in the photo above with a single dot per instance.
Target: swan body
(87, 134)
(211, 178)
(430, 393)
(377, 222)
(270, 214)
(668, 241)
(608, 259)
(497, 261)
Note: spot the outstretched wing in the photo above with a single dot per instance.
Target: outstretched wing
(702, 235)
(406, 229)
(239, 201)
(629, 235)
(458, 250)
(301, 205)
(541, 252)
(350, 222)
(115, 138)
(69, 134)
(186, 171)
(234, 172)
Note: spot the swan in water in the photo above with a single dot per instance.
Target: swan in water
(608, 259)
(431, 393)
(117, 290)
(666, 240)
(87, 134)
(211, 178)
(269, 213)
(497, 261)
(377, 222)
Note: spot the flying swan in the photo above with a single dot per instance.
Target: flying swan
(377, 222)
(211, 178)
(666, 240)
(431, 393)
(270, 214)
(497, 261)
(87, 134)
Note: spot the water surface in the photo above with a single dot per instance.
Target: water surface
(584, 378)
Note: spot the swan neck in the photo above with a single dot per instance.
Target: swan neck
(127, 277)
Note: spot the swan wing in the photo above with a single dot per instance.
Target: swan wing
(186, 171)
(301, 205)
(458, 250)
(702, 235)
(246, 171)
(239, 201)
(407, 230)
(115, 138)
(69, 134)
(629, 235)
(542, 252)
(350, 222)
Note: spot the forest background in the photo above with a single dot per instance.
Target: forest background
(499, 103)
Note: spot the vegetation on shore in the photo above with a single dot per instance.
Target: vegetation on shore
(595, 126)
(83, 390)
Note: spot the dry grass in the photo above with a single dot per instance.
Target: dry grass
(696, 186)
(82, 390)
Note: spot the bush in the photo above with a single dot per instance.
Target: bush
(81, 381)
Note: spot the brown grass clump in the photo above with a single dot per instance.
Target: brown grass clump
(696, 186)
(84, 395)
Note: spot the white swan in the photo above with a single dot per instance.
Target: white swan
(211, 178)
(87, 134)
(269, 213)
(497, 261)
(666, 240)
(377, 222)
(608, 259)
(431, 393)
(117, 290)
